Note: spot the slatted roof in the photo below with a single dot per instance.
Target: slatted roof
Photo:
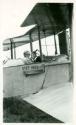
(50, 17)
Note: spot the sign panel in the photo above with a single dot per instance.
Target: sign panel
(33, 69)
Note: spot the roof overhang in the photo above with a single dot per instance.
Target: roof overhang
(56, 16)
(51, 18)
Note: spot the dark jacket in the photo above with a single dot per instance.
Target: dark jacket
(38, 59)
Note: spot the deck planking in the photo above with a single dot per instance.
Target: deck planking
(55, 100)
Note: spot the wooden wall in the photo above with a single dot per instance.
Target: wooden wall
(15, 83)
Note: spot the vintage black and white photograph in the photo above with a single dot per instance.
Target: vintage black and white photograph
(38, 62)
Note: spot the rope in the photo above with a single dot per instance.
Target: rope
(42, 83)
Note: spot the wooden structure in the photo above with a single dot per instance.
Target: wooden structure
(24, 80)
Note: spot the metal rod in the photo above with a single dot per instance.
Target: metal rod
(11, 48)
(39, 42)
(31, 47)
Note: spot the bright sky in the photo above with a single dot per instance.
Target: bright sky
(13, 13)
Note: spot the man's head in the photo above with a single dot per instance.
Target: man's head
(26, 54)
(33, 55)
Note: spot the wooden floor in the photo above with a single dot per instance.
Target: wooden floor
(55, 100)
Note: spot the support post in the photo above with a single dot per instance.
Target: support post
(71, 41)
(14, 51)
(31, 42)
(55, 44)
(11, 42)
(39, 42)
(45, 41)
(71, 44)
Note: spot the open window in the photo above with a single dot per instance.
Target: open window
(48, 46)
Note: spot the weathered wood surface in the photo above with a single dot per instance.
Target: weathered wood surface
(55, 100)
